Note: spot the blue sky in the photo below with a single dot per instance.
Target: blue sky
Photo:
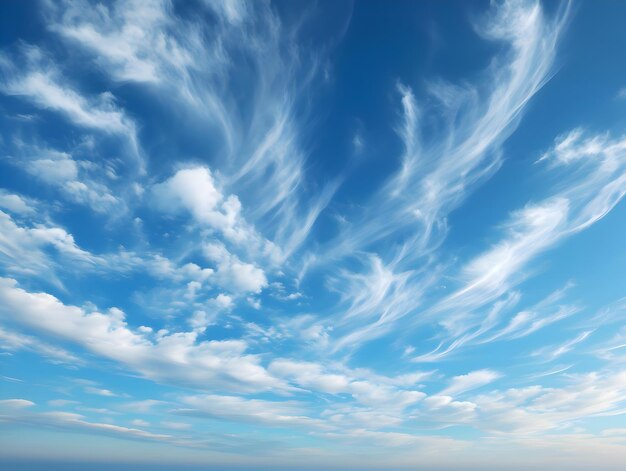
(299, 235)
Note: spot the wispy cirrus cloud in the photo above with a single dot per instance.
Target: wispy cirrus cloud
(590, 190)
(436, 174)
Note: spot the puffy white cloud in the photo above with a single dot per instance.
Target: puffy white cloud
(193, 190)
(232, 273)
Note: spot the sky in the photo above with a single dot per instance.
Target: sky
(312, 235)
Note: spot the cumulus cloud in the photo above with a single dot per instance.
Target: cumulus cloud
(193, 190)
(232, 273)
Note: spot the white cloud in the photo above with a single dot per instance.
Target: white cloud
(194, 190)
(13, 341)
(140, 423)
(16, 204)
(70, 421)
(310, 375)
(529, 232)
(175, 425)
(593, 183)
(406, 220)
(171, 358)
(537, 409)
(33, 250)
(232, 273)
(550, 353)
(99, 391)
(193, 63)
(475, 379)
(79, 181)
(13, 404)
(379, 295)
(41, 83)
(238, 409)
(381, 393)
(128, 40)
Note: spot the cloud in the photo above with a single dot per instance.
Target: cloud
(310, 375)
(406, 219)
(79, 180)
(593, 182)
(193, 64)
(378, 392)
(476, 379)
(13, 404)
(536, 409)
(175, 425)
(550, 353)
(256, 411)
(128, 39)
(163, 357)
(232, 273)
(70, 421)
(530, 231)
(193, 190)
(374, 299)
(140, 423)
(15, 341)
(99, 391)
(32, 250)
(40, 82)
(16, 204)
